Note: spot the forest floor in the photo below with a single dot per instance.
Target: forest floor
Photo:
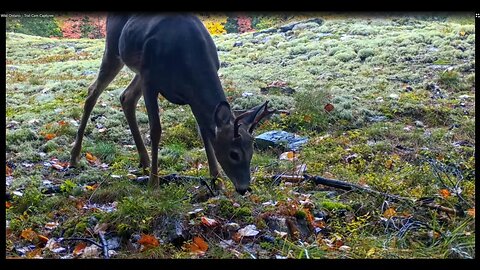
(401, 121)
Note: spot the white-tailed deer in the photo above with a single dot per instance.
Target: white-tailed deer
(174, 55)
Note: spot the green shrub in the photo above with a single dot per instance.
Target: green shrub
(44, 27)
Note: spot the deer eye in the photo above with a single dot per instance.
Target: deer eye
(235, 156)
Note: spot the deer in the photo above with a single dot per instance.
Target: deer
(175, 56)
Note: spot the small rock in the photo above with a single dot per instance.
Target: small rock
(113, 243)
(464, 97)
(247, 94)
(238, 44)
(344, 248)
(91, 252)
(279, 138)
(232, 226)
(408, 89)
(275, 223)
(377, 118)
(394, 96)
(379, 99)
(419, 123)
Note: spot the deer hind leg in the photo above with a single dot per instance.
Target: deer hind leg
(151, 102)
(129, 100)
(109, 68)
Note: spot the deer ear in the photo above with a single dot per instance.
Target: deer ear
(223, 114)
(254, 116)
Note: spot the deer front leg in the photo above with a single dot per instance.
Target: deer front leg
(129, 100)
(151, 102)
(212, 160)
(108, 70)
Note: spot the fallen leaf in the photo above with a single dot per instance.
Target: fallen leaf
(79, 204)
(249, 230)
(35, 254)
(307, 118)
(50, 136)
(280, 234)
(197, 246)
(390, 212)
(52, 244)
(51, 225)
(91, 252)
(43, 239)
(444, 193)
(329, 107)
(8, 171)
(290, 155)
(28, 234)
(62, 123)
(8, 205)
(92, 187)
(209, 221)
(202, 245)
(236, 237)
(471, 212)
(344, 248)
(79, 248)
(389, 164)
(462, 33)
(148, 241)
(90, 158)
(319, 224)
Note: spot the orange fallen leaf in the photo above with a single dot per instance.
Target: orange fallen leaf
(62, 123)
(390, 212)
(237, 237)
(34, 253)
(79, 248)
(90, 158)
(319, 224)
(462, 33)
(290, 155)
(148, 241)
(8, 205)
(210, 222)
(50, 136)
(79, 204)
(43, 238)
(8, 171)
(198, 245)
(445, 193)
(92, 187)
(28, 234)
(471, 212)
(329, 107)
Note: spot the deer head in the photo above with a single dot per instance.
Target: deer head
(233, 142)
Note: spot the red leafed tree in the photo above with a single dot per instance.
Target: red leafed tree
(71, 27)
(83, 26)
(244, 24)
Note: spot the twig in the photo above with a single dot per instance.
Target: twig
(81, 239)
(104, 244)
(89, 198)
(350, 186)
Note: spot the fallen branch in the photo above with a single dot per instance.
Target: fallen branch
(351, 186)
(104, 244)
(81, 239)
